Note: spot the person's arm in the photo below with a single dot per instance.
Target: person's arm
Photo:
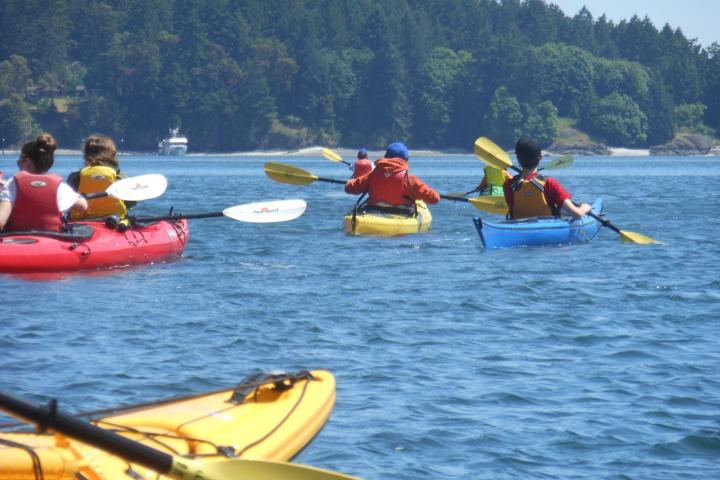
(576, 211)
(80, 204)
(5, 210)
(358, 185)
(419, 191)
(509, 196)
(67, 198)
(74, 180)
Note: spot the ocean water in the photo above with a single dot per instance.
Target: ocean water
(452, 362)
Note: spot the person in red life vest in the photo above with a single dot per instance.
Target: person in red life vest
(35, 199)
(390, 184)
(531, 195)
(363, 164)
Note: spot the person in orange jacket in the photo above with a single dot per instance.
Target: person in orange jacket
(362, 165)
(391, 184)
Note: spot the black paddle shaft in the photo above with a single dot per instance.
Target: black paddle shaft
(87, 433)
(331, 180)
(177, 216)
(456, 199)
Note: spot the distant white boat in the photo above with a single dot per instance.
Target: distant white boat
(175, 144)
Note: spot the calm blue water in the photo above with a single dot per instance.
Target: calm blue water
(583, 362)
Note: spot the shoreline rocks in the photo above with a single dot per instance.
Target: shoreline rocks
(684, 145)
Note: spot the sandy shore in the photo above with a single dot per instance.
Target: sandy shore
(346, 153)
(629, 152)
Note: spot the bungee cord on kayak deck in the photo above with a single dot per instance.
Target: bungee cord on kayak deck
(274, 397)
(250, 386)
(35, 458)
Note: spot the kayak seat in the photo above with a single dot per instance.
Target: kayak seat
(407, 211)
(73, 233)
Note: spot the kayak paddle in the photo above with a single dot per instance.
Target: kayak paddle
(292, 175)
(495, 156)
(334, 157)
(631, 237)
(490, 203)
(555, 164)
(134, 189)
(559, 162)
(175, 466)
(260, 212)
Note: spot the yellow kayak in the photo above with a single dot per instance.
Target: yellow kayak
(268, 416)
(373, 222)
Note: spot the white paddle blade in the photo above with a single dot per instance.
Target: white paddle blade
(142, 187)
(267, 212)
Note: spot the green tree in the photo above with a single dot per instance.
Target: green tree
(438, 82)
(711, 72)
(386, 90)
(541, 123)
(16, 123)
(15, 76)
(562, 74)
(619, 121)
(628, 78)
(689, 117)
(659, 108)
(505, 118)
(582, 32)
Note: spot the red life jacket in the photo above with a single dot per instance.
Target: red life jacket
(388, 188)
(362, 166)
(36, 206)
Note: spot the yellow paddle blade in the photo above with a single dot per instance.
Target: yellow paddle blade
(491, 154)
(330, 155)
(242, 469)
(491, 204)
(635, 237)
(284, 173)
(559, 162)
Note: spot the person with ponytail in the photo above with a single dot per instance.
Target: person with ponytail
(35, 199)
(101, 170)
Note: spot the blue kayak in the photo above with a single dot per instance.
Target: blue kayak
(539, 231)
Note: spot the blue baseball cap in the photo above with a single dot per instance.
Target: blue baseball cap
(397, 150)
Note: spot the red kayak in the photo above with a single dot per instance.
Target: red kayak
(92, 246)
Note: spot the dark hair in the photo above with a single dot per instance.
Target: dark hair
(528, 153)
(100, 150)
(41, 152)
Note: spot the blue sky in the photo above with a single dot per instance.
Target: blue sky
(697, 19)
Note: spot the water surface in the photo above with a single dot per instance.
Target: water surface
(583, 362)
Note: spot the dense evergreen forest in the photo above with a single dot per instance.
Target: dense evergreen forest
(248, 74)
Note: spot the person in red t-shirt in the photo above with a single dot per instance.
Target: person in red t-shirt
(531, 195)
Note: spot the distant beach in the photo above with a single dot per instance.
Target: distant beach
(346, 153)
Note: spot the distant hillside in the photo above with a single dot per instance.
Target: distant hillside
(288, 74)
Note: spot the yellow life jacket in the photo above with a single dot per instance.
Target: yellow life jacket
(494, 176)
(529, 200)
(97, 179)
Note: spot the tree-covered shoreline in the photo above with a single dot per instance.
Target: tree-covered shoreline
(258, 74)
